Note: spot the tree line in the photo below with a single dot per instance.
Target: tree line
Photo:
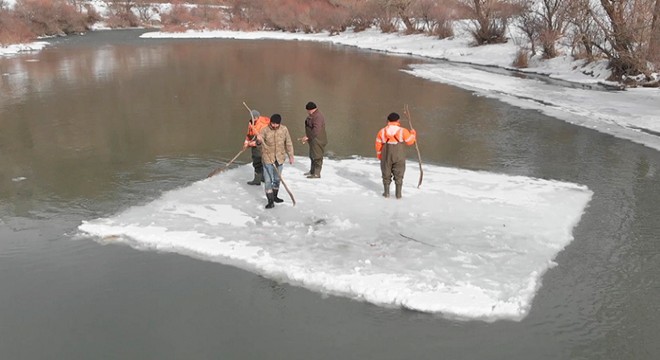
(625, 32)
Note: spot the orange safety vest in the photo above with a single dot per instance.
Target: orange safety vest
(253, 129)
(394, 134)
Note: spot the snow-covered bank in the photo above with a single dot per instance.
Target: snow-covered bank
(22, 48)
(470, 245)
(633, 114)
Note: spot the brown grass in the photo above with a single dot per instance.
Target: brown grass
(521, 60)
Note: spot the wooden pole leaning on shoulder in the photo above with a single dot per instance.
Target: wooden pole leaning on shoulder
(293, 200)
(406, 112)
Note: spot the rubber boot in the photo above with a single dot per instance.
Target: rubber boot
(275, 198)
(316, 173)
(311, 170)
(258, 179)
(271, 203)
(398, 190)
(386, 191)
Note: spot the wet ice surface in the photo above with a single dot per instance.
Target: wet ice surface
(468, 245)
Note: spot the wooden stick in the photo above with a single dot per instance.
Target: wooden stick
(406, 112)
(251, 116)
(283, 183)
(223, 168)
(419, 241)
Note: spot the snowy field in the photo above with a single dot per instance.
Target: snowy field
(468, 245)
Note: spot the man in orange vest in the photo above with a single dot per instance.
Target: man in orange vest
(391, 152)
(254, 127)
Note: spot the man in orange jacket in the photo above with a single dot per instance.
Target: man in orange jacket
(254, 127)
(391, 152)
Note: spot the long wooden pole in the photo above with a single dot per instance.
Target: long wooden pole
(293, 200)
(406, 112)
(285, 186)
(223, 168)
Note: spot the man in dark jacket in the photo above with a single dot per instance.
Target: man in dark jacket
(317, 139)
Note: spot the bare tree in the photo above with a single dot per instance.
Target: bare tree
(363, 13)
(434, 17)
(626, 27)
(403, 9)
(583, 30)
(654, 46)
(491, 18)
(528, 23)
(553, 16)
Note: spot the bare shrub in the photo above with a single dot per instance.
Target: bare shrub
(329, 16)
(490, 18)
(582, 32)
(438, 17)
(145, 11)
(121, 14)
(363, 13)
(404, 10)
(521, 60)
(92, 16)
(245, 14)
(384, 18)
(283, 15)
(529, 24)
(50, 17)
(178, 19)
(207, 17)
(13, 30)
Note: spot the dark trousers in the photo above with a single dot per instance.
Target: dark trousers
(256, 160)
(393, 163)
(316, 151)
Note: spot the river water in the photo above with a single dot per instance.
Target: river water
(98, 123)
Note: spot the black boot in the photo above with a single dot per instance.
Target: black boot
(258, 179)
(316, 172)
(386, 191)
(398, 190)
(270, 198)
(275, 198)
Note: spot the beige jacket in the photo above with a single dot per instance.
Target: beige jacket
(276, 145)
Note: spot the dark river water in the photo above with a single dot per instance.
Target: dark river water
(96, 124)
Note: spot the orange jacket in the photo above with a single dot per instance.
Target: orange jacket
(253, 129)
(393, 133)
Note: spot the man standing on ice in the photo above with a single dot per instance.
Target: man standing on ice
(316, 137)
(257, 122)
(391, 152)
(275, 144)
